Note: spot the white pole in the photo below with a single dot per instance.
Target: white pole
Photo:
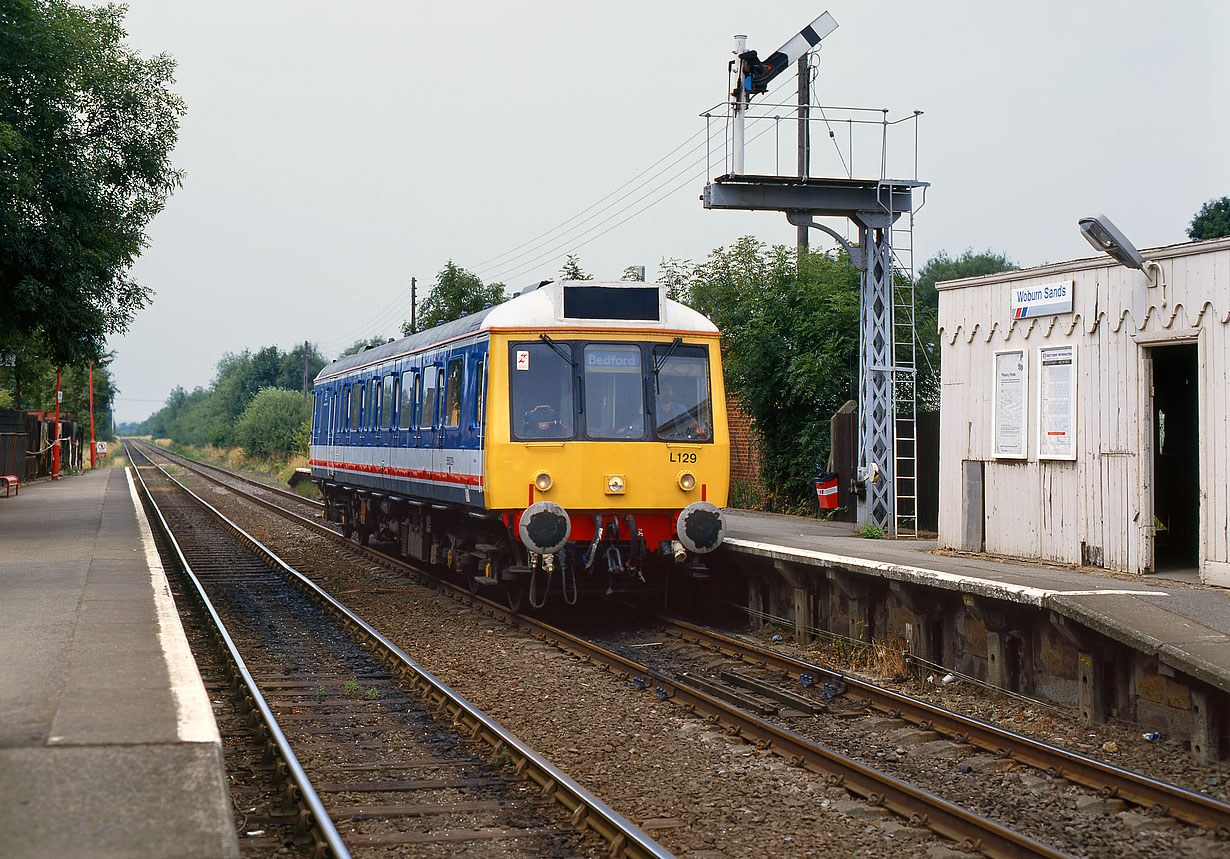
(736, 167)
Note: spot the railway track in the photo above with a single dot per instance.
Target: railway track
(1107, 780)
(947, 820)
(377, 752)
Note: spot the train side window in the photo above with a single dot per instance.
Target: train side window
(614, 391)
(452, 393)
(431, 381)
(387, 400)
(682, 405)
(406, 418)
(356, 396)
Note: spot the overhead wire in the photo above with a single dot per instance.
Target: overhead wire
(570, 239)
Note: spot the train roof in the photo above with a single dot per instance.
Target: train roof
(568, 304)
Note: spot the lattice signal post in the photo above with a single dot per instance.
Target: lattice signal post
(886, 374)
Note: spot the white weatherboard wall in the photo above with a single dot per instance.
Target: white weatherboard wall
(1049, 509)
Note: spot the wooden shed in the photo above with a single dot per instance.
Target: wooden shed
(1084, 413)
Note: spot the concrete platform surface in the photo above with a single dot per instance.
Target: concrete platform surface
(1186, 624)
(108, 745)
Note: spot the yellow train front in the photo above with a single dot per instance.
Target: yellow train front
(599, 443)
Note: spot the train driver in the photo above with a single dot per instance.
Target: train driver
(542, 421)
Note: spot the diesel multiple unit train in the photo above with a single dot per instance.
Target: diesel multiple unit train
(570, 440)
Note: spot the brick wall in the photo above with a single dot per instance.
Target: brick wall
(744, 451)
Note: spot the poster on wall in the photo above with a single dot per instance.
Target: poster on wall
(1009, 409)
(1057, 403)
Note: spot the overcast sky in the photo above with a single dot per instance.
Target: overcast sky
(334, 150)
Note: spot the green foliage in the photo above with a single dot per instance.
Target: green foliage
(926, 320)
(359, 345)
(871, 531)
(86, 131)
(790, 334)
(1211, 222)
(632, 273)
(675, 275)
(28, 381)
(571, 270)
(943, 267)
(268, 426)
(455, 291)
(210, 415)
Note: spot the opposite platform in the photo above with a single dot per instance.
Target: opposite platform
(108, 746)
(1185, 624)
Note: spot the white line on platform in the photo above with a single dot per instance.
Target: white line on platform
(1021, 593)
(193, 715)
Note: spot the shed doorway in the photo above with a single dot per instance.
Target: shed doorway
(1176, 457)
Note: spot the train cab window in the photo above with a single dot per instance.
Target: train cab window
(431, 382)
(356, 403)
(614, 392)
(542, 406)
(406, 404)
(452, 394)
(387, 399)
(683, 410)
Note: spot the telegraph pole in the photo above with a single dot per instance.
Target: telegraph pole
(413, 305)
(305, 368)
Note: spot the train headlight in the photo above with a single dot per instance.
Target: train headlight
(615, 484)
(542, 481)
(687, 481)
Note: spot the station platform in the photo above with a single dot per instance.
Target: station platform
(1185, 624)
(108, 745)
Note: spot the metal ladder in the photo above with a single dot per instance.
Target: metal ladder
(904, 386)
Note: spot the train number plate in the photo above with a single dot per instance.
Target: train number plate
(681, 456)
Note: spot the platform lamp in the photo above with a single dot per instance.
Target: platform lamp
(93, 447)
(1101, 232)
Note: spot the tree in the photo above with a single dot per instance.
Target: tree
(927, 301)
(86, 131)
(270, 423)
(1211, 222)
(633, 273)
(572, 270)
(790, 336)
(943, 267)
(359, 345)
(455, 291)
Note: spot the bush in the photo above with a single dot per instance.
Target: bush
(269, 425)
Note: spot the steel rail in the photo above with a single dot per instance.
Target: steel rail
(286, 493)
(584, 808)
(321, 822)
(944, 818)
(1109, 780)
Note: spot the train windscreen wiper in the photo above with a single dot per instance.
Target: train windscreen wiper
(558, 349)
(659, 363)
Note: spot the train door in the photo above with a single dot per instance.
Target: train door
(477, 426)
(388, 428)
(452, 462)
(429, 439)
(322, 435)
